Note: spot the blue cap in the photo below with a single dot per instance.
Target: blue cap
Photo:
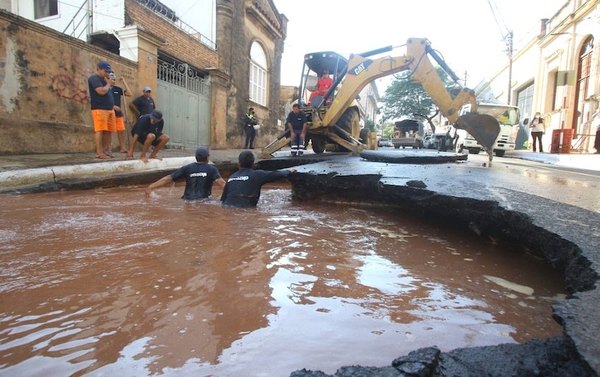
(156, 115)
(104, 66)
(201, 153)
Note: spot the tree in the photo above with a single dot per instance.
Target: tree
(388, 130)
(407, 98)
(370, 125)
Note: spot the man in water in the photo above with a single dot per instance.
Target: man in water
(243, 187)
(199, 177)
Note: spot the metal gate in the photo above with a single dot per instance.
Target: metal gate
(184, 99)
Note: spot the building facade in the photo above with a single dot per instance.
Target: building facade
(203, 86)
(368, 100)
(254, 33)
(557, 73)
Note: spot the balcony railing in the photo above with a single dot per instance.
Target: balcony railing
(80, 23)
(169, 15)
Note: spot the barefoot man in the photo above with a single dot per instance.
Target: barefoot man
(148, 131)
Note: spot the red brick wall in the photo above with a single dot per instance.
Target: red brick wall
(177, 43)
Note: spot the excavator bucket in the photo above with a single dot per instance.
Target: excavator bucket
(484, 128)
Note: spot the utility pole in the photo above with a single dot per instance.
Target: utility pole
(507, 36)
(509, 51)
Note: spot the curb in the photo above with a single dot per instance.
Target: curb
(16, 179)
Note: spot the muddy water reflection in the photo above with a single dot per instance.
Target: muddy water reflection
(96, 282)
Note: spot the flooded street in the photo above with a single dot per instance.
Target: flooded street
(106, 282)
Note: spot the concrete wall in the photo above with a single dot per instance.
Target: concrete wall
(44, 100)
(44, 74)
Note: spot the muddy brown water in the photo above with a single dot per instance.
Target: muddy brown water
(107, 282)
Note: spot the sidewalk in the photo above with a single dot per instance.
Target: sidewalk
(25, 171)
(19, 171)
(583, 161)
(29, 161)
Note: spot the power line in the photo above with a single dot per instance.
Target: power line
(507, 36)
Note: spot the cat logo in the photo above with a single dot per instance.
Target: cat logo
(359, 68)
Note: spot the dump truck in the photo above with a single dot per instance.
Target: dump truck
(408, 133)
(333, 119)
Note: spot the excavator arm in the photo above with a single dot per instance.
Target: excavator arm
(362, 70)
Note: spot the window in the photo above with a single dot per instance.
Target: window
(45, 8)
(258, 74)
(525, 101)
(583, 90)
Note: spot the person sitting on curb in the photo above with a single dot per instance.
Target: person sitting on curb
(199, 177)
(148, 131)
(243, 187)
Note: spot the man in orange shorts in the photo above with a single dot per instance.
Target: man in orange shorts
(102, 105)
(117, 93)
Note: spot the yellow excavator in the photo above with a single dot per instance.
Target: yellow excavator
(333, 119)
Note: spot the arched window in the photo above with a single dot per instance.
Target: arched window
(583, 89)
(258, 74)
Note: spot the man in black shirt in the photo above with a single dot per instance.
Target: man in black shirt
(144, 104)
(102, 104)
(148, 131)
(296, 122)
(117, 93)
(199, 177)
(243, 187)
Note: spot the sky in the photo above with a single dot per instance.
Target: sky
(464, 32)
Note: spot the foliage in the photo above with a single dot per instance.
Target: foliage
(388, 130)
(370, 125)
(405, 97)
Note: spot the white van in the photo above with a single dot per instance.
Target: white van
(507, 115)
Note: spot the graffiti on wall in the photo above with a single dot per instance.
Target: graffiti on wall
(70, 87)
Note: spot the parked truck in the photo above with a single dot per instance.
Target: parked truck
(508, 118)
(333, 119)
(408, 133)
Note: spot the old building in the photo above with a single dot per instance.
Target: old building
(254, 32)
(368, 99)
(202, 85)
(557, 73)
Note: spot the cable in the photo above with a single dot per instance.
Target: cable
(100, 13)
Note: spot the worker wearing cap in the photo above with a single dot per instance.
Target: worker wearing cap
(143, 104)
(199, 177)
(117, 93)
(148, 131)
(102, 103)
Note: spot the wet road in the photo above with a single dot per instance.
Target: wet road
(106, 282)
(562, 184)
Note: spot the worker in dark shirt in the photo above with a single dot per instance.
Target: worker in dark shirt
(143, 104)
(199, 177)
(297, 124)
(243, 187)
(148, 131)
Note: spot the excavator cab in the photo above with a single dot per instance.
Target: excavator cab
(315, 99)
(315, 64)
